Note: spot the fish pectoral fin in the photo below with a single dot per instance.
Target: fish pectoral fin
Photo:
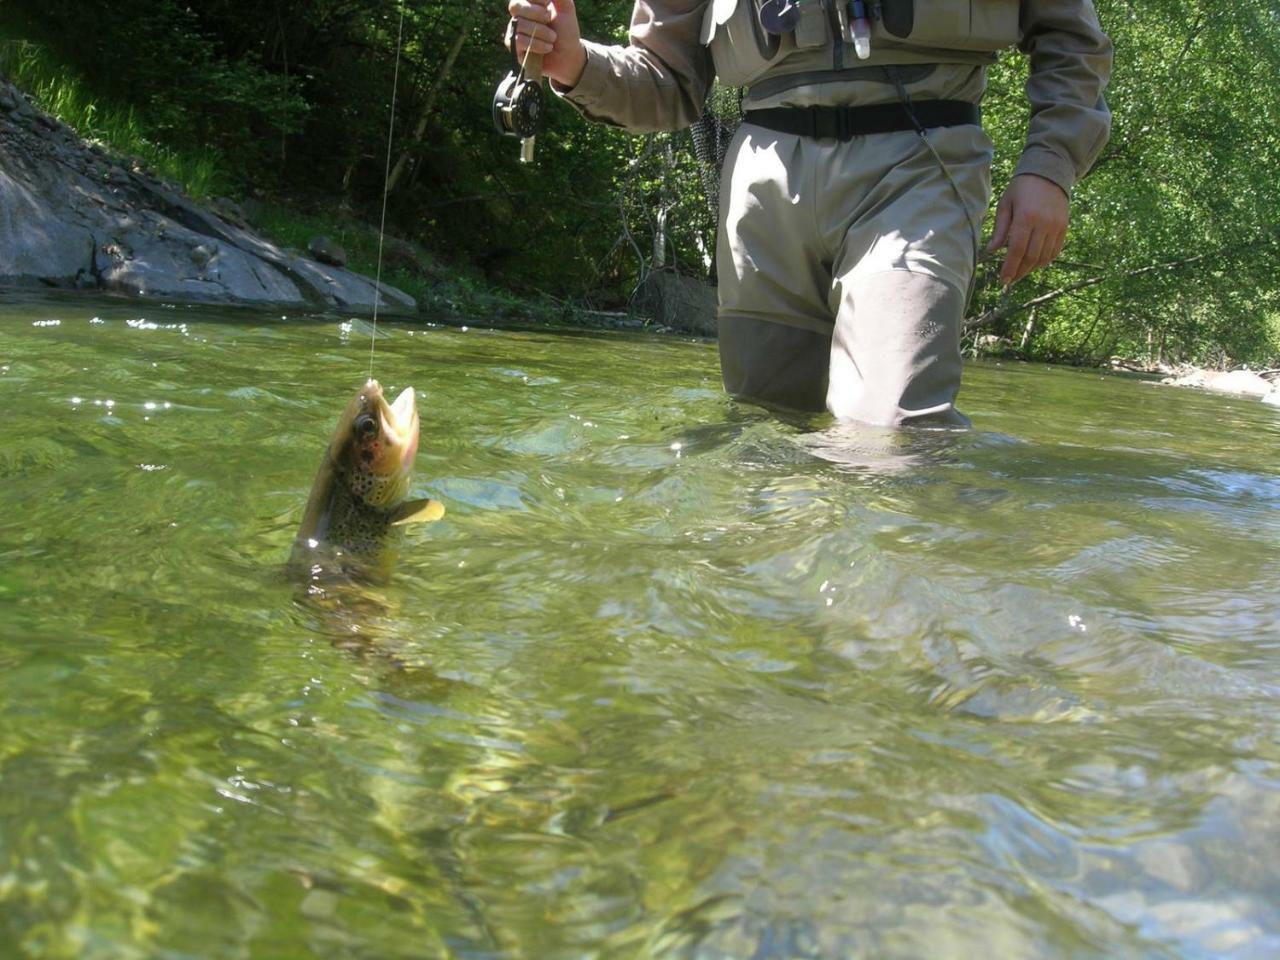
(417, 511)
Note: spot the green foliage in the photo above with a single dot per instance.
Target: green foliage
(1177, 222)
(62, 93)
(437, 286)
(157, 63)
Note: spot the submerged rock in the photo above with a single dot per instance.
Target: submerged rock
(68, 220)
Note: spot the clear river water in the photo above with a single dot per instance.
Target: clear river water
(674, 677)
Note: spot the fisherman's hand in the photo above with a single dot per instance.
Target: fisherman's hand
(549, 28)
(1031, 220)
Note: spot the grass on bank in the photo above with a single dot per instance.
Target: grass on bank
(60, 92)
(440, 289)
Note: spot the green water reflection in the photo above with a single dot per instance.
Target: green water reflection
(673, 678)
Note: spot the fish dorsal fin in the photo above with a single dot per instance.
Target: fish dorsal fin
(417, 511)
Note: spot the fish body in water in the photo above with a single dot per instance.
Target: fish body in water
(360, 491)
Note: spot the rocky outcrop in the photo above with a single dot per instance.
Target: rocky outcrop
(72, 216)
(326, 251)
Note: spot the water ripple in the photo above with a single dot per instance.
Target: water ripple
(673, 677)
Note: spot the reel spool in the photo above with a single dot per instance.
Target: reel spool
(519, 105)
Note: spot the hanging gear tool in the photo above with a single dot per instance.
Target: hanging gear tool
(859, 28)
(519, 106)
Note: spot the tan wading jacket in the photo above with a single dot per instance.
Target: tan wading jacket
(677, 47)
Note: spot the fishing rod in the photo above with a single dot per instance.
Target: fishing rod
(519, 105)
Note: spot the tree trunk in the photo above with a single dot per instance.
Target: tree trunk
(1029, 329)
(1097, 316)
(428, 104)
(660, 239)
(664, 209)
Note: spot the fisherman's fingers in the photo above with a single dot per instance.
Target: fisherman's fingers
(537, 37)
(527, 18)
(1000, 235)
(1016, 260)
(1036, 237)
(1049, 251)
(538, 11)
(549, 29)
(1055, 248)
(1037, 251)
(1048, 237)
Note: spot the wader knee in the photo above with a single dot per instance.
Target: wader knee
(895, 355)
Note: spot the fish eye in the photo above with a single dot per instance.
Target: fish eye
(366, 426)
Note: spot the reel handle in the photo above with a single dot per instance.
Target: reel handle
(533, 74)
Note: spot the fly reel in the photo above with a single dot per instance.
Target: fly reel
(519, 105)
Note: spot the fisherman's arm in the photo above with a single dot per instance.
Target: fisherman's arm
(657, 82)
(1070, 123)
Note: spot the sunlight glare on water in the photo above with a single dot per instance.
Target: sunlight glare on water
(672, 678)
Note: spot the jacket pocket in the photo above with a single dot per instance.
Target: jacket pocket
(979, 25)
(813, 30)
(740, 49)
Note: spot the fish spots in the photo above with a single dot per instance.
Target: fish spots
(376, 491)
(362, 484)
(354, 524)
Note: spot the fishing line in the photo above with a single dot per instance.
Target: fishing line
(386, 187)
(527, 50)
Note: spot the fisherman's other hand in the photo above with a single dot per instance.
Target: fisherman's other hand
(1031, 220)
(549, 28)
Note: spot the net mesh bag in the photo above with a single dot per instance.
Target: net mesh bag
(721, 115)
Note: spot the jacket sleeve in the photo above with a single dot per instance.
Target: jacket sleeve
(659, 81)
(1070, 66)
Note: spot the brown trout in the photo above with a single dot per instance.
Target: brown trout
(359, 492)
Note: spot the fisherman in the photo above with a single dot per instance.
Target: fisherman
(853, 193)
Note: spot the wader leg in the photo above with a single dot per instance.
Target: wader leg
(774, 318)
(895, 356)
(773, 363)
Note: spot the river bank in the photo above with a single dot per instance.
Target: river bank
(80, 216)
(77, 216)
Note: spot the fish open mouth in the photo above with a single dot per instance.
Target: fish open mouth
(399, 421)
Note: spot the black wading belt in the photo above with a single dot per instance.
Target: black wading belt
(845, 123)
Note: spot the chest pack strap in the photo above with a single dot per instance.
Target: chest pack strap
(845, 123)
